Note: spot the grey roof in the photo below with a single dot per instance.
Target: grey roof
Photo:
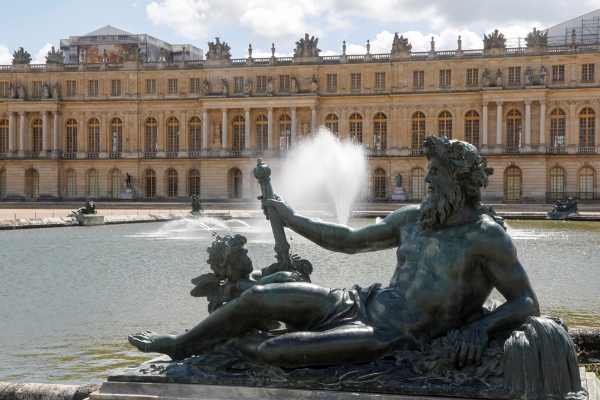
(572, 23)
(108, 30)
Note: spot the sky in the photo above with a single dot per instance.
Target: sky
(36, 25)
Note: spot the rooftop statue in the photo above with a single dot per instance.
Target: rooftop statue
(307, 47)
(55, 56)
(400, 44)
(494, 40)
(218, 51)
(21, 57)
(537, 38)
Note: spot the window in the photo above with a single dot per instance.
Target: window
(93, 177)
(37, 135)
(331, 123)
(32, 178)
(356, 127)
(558, 73)
(151, 135)
(194, 182)
(418, 78)
(235, 184)
(586, 183)
(445, 124)
(513, 130)
(239, 133)
(4, 136)
(262, 132)
(586, 127)
(195, 127)
(115, 87)
(150, 180)
(71, 191)
(557, 128)
(172, 86)
(284, 83)
(331, 81)
(418, 129)
(238, 84)
(587, 72)
(261, 83)
(472, 76)
(557, 183)
(445, 77)
(150, 86)
(2, 184)
(172, 184)
(513, 183)
(472, 127)
(285, 132)
(116, 135)
(116, 184)
(380, 132)
(93, 136)
(37, 88)
(71, 88)
(172, 135)
(417, 183)
(71, 135)
(3, 89)
(514, 74)
(93, 88)
(380, 80)
(355, 81)
(195, 85)
(379, 184)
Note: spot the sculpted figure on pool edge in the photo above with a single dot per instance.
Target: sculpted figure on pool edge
(452, 252)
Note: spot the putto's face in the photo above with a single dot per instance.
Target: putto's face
(240, 265)
(438, 176)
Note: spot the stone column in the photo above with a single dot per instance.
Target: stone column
(293, 125)
(270, 128)
(542, 123)
(224, 130)
(498, 124)
(247, 129)
(484, 125)
(22, 133)
(205, 129)
(527, 123)
(12, 143)
(56, 144)
(45, 138)
(313, 118)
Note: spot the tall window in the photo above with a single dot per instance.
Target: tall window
(380, 132)
(586, 183)
(150, 180)
(71, 88)
(558, 73)
(261, 83)
(2, 184)
(418, 78)
(151, 135)
(150, 86)
(239, 133)
(262, 135)
(93, 178)
(172, 135)
(356, 127)
(380, 80)
(514, 74)
(195, 127)
(513, 183)
(513, 129)
(417, 183)
(71, 135)
(445, 124)
(331, 123)
(93, 87)
(32, 177)
(587, 72)
(586, 127)
(238, 84)
(379, 184)
(93, 135)
(418, 129)
(37, 88)
(445, 77)
(3, 135)
(3, 89)
(115, 87)
(172, 184)
(284, 83)
(472, 76)
(37, 135)
(71, 184)
(557, 128)
(356, 81)
(331, 81)
(472, 127)
(235, 184)
(194, 182)
(194, 85)
(116, 184)
(557, 183)
(116, 135)
(285, 132)
(172, 86)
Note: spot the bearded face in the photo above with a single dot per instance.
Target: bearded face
(443, 197)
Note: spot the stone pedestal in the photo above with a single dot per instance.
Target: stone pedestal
(90, 220)
(399, 194)
(128, 194)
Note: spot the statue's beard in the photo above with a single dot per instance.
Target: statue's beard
(438, 205)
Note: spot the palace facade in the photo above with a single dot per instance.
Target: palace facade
(69, 130)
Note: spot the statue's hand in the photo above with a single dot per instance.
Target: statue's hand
(470, 345)
(283, 209)
(281, 277)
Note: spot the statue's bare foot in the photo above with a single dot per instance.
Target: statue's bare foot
(152, 342)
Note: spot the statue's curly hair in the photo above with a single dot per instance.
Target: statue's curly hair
(220, 250)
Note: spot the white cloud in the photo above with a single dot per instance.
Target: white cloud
(258, 53)
(5, 56)
(187, 17)
(40, 57)
(276, 21)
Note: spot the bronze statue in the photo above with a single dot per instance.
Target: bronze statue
(196, 203)
(89, 208)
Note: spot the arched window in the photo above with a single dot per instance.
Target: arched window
(557, 128)
(150, 181)
(93, 179)
(379, 183)
(151, 139)
(417, 181)
(235, 183)
(193, 182)
(37, 135)
(557, 183)
(586, 127)
(513, 183)
(71, 135)
(586, 183)
(3, 135)
(116, 184)
(380, 131)
(172, 184)
(195, 126)
(71, 191)
(331, 123)
(32, 180)
(93, 135)
(262, 132)
(472, 127)
(116, 135)
(445, 124)
(418, 129)
(172, 135)
(513, 130)
(239, 133)
(356, 127)
(2, 184)
(285, 132)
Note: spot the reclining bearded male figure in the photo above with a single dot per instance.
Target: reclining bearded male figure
(452, 252)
